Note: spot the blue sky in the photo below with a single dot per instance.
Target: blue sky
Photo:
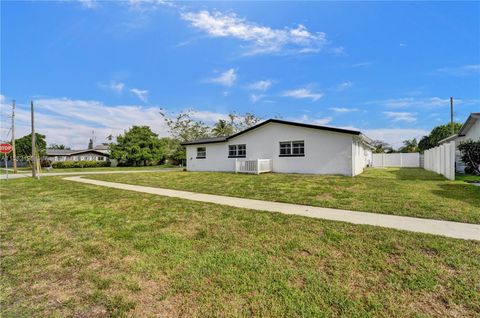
(387, 69)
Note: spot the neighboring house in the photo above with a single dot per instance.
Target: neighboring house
(469, 130)
(287, 147)
(98, 153)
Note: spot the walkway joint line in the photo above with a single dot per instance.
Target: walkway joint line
(458, 230)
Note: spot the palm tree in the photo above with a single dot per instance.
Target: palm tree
(222, 128)
(409, 145)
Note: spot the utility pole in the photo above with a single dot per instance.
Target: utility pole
(14, 153)
(34, 159)
(451, 116)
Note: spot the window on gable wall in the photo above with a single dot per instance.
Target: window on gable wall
(201, 152)
(237, 151)
(292, 148)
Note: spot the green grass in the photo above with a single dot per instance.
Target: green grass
(44, 170)
(467, 177)
(108, 169)
(76, 250)
(409, 192)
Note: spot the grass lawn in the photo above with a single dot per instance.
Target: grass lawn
(108, 169)
(27, 170)
(467, 177)
(78, 250)
(410, 192)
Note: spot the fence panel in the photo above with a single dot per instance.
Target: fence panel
(411, 160)
(441, 160)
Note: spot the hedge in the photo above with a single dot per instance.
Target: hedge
(80, 164)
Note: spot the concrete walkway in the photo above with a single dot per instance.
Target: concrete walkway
(444, 228)
(53, 174)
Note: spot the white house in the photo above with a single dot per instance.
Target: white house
(98, 153)
(285, 147)
(469, 130)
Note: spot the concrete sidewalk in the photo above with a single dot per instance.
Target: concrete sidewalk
(444, 228)
(53, 174)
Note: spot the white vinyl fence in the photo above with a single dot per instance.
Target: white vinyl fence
(381, 160)
(253, 166)
(441, 160)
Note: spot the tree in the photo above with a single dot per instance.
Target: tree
(424, 144)
(409, 145)
(381, 146)
(184, 128)
(241, 122)
(172, 150)
(55, 146)
(438, 133)
(137, 145)
(90, 144)
(222, 128)
(471, 155)
(23, 146)
(109, 138)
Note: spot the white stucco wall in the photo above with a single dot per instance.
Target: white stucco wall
(362, 156)
(474, 131)
(325, 152)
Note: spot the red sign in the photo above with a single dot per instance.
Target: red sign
(5, 148)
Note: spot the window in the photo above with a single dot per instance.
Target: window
(201, 152)
(292, 148)
(237, 151)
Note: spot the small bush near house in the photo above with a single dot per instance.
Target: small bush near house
(471, 155)
(80, 164)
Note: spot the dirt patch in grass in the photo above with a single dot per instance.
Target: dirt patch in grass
(325, 197)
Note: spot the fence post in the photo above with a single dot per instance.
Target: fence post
(236, 165)
(257, 167)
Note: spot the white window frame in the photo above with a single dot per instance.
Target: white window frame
(237, 151)
(295, 148)
(201, 154)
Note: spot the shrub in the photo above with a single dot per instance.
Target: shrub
(80, 164)
(471, 155)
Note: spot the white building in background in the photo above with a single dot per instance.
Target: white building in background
(98, 153)
(285, 147)
(469, 130)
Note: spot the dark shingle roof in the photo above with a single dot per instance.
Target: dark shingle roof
(272, 120)
(59, 152)
(65, 152)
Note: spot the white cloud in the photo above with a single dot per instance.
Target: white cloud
(343, 109)
(70, 122)
(427, 103)
(262, 39)
(302, 93)
(89, 4)
(142, 6)
(472, 69)
(260, 85)
(141, 94)
(227, 78)
(343, 86)
(394, 136)
(401, 116)
(207, 116)
(311, 120)
(255, 98)
(113, 86)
